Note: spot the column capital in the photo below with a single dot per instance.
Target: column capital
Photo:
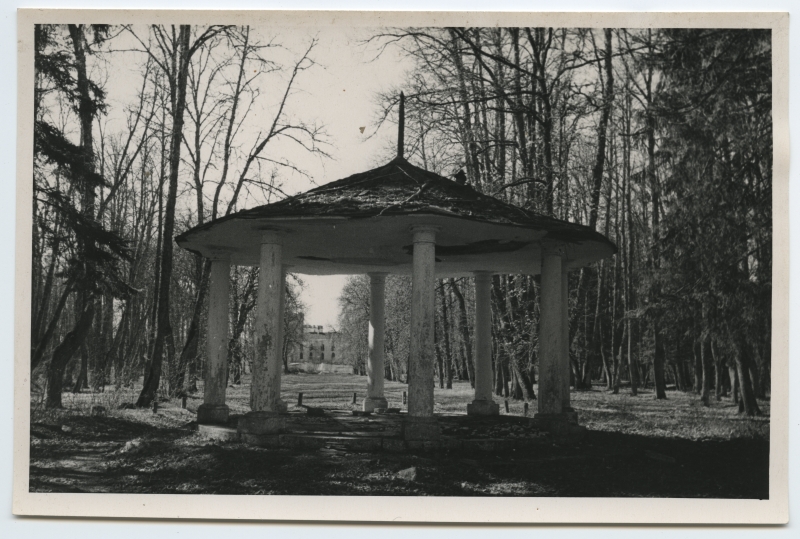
(272, 235)
(424, 233)
(219, 256)
(482, 275)
(377, 275)
(554, 249)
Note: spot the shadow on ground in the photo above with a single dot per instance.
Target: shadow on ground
(77, 453)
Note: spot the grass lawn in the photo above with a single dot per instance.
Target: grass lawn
(635, 446)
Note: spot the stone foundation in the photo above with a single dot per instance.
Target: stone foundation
(394, 432)
(212, 413)
(483, 408)
(373, 403)
(262, 423)
(420, 428)
(222, 433)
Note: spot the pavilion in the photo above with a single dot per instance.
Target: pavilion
(395, 219)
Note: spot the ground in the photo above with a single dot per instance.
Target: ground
(634, 446)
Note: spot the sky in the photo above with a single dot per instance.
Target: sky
(338, 92)
(341, 95)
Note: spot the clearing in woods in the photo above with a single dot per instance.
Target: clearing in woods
(634, 447)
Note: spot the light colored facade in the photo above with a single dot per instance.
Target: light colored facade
(318, 351)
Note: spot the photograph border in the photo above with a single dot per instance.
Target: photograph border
(775, 510)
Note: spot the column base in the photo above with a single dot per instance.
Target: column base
(419, 428)
(281, 407)
(371, 403)
(212, 414)
(261, 423)
(481, 407)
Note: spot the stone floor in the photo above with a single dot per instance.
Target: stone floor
(382, 432)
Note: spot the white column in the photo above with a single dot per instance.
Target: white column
(213, 409)
(565, 368)
(281, 405)
(550, 334)
(483, 403)
(421, 424)
(267, 365)
(375, 367)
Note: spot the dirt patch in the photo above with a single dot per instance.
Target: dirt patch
(120, 455)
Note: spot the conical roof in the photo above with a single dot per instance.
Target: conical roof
(362, 223)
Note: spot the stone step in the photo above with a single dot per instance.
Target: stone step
(365, 444)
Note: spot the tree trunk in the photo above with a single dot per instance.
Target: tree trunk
(107, 356)
(755, 376)
(618, 364)
(698, 368)
(540, 45)
(179, 382)
(439, 359)
(506, 375)
(705, 360)
(518, 106)
(463, 326)
(602, 129)
(41, 346)
(83, 372)
(734, 383)
(39, 333)
(75, 339)
(163, 325)
(718, 373)
(633, 370)
(655, 194)
(470, 147)
(498, 369)
(747, 398)
(446, 338)
(63, 354)
(524, 387)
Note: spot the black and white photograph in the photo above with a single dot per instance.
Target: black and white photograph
(276, 257)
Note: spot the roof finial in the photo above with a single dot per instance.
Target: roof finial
(401, 125)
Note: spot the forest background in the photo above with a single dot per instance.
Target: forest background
(660, 139)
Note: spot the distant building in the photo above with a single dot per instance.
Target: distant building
(319, 351)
